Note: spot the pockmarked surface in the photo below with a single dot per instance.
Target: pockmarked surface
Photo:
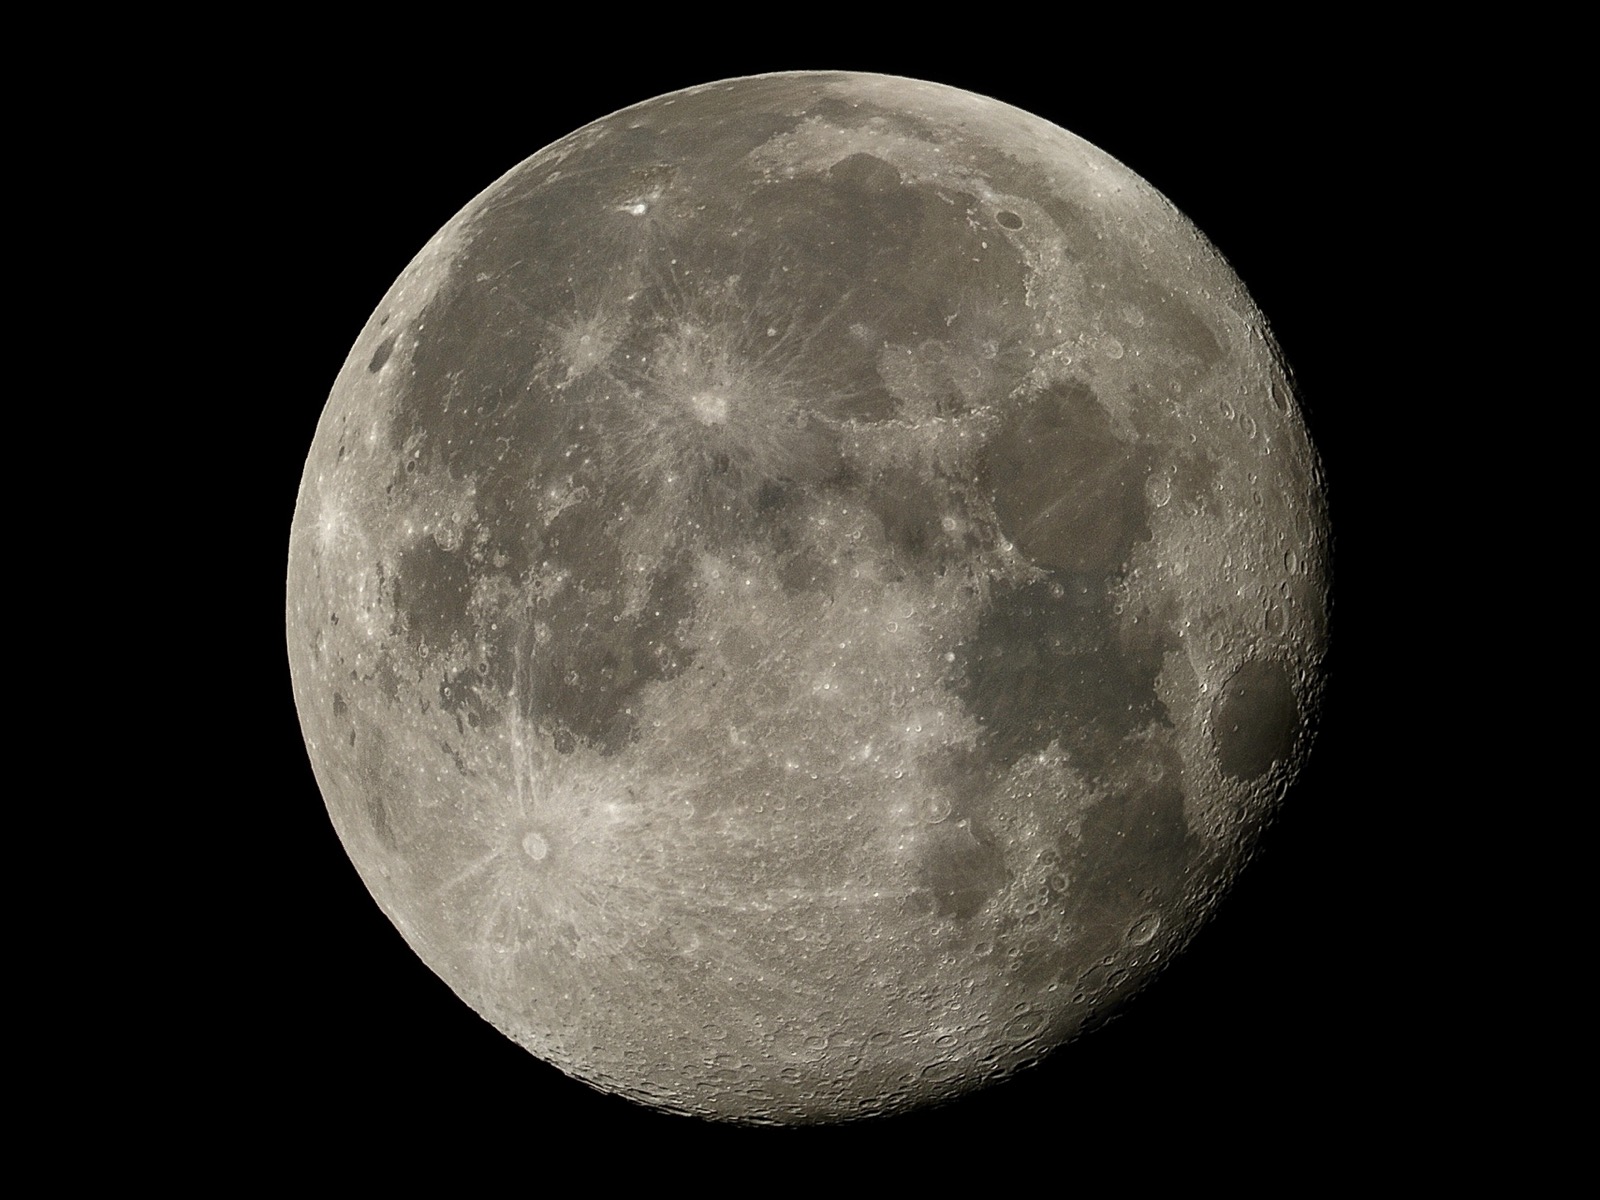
(804, 594)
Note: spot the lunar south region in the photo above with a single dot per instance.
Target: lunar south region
(805, 593)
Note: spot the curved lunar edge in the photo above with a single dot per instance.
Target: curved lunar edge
(804, 594)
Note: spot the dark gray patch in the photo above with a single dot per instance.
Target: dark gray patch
(1046, 662)
(381, 354)
(961, 869)
(378, 815)
(772, 497)
(838, 226)
(1170, 322)
(803, 571)
(456, 757)
(1255, 719)
(581, 681)
(1146, 642)
(1069, 491)
(339, 705)
(909, 507)
(432, 588)
(1131, 859)
(1008, 219)
(385, 677)
(375, 765)
(1178, 327)
(463, 697)
(894, 252)
(1082, 232)
(865, 173)
(485, 339)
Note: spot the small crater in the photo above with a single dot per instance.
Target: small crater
(1008, 219)
(1025, 1025)
(447, 536)
(534, 845)
(1273, 620)
(1145, 928)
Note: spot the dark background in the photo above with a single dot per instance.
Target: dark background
(1267, 1030)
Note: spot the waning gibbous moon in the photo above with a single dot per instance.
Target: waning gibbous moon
(805, 593)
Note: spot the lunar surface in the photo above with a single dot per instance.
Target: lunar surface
(804, 595)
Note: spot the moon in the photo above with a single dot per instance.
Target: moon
(804, 595)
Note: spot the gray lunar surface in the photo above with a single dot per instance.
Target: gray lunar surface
(805, 593)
